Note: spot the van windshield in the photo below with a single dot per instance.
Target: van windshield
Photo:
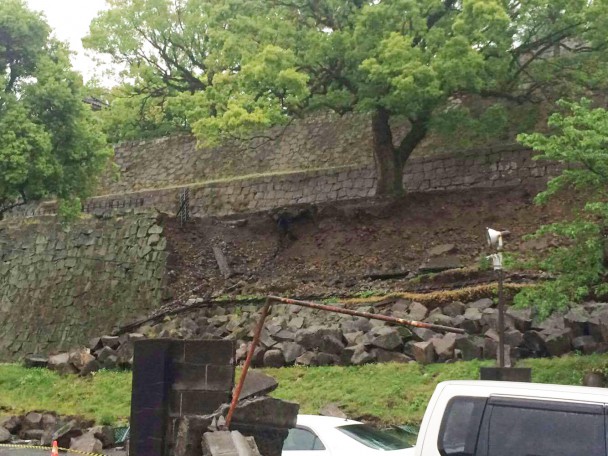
(374, 438)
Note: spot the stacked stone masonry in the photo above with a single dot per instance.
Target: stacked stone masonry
(510, 167)
(69, 283)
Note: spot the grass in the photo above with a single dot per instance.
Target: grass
(387, 393)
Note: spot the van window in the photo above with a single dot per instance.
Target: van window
(460, 426)
(301, 439)
(544, 428)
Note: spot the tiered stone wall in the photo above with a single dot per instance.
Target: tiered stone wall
(61, 285)
(495, 168)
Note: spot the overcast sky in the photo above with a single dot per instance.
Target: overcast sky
(70, 20)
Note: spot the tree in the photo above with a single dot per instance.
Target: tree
(50, 146)
(580, 262)
(227, 68)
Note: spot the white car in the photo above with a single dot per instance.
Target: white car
(327, 436)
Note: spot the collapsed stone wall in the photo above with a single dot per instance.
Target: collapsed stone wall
(61, 285)
(489, 168)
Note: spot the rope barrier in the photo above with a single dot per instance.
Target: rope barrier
(46, 448)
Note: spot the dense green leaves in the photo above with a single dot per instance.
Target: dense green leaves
(579, 263)
(50, 146)
(226, 68)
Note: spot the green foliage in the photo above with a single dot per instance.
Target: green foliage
(229, 68)
(50, 146)
(579, 263)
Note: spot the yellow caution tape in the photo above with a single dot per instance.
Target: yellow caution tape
(39, 447)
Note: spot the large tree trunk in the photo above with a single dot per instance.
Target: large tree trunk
(389, 159)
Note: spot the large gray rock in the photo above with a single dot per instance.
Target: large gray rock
(354, 338)
(80, 358)
(308, 358)
(33, 361)
(328, 359)
(520, 319)
(555, 321)
(110, 341)
(360, 356)
(535, 343)
(489, 319)
(291, 351)
(577, 319)
(385, 337)
(323, 339)
(454, 309)
(356, 325)
(437, 318)
(257, 384)
(585, 344)
(481, 304)
(5, 436)
(424, 352)
(104, 434)
(417, 312)
(227, 443)
(424, 334)
(440, 250)
(470, 347)
(86, 443)
(32, 420)
(61, 364)
(514, 338)
(557, 341)
(473, 314)
(11, 423)
(274, 358)
(386, 356)
(444, 347)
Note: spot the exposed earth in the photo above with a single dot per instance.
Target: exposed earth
(345, 248)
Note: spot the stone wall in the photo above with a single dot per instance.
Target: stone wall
(494, 168)
(323, 141)
(60, 285)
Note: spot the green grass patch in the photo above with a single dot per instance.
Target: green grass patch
(388, 393)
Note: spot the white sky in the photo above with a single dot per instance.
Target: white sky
(70, 20)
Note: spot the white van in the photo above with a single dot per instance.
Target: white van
(480, 418)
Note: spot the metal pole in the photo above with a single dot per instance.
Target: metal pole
(501, 321)
(254, 343)
(398, 321)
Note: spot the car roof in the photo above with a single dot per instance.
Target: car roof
(531, 389)
(319, 420)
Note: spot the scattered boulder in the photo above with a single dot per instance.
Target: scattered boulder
(257, 384)
(32, 420)
(557, 341)
(440, 250)
(33, 361)
(424, 334)
(585, 344)
(454, 309)
(32, 434)
(80, 358)
(444, 347)
(104, 434)
(11, 423)
(520, 319)
(360, 356)
(385, 337)
(5, 435)
(61, 364)
(274, 358)
(481, 304)
(386, 356)
(470, 348)
(307, 359)
(110, 341)
(327, 359)
(577, 319)
(86, 443)
(424, 352)
(291, 351)
(417, 312)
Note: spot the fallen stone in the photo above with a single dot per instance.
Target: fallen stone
(386, 356)
(284, 335)
(32, 420)
(90, 367)
(228, 443)
(61, 364)
(585, 344)
(440, 250)
(307, 359)
(332, 410)
(291, 351)
(5, 436)
(594, 379)
(104, 353)
(125, 354)
(80, 358)
(481, 304)
(385, 337)
(110, 341)
(95, 344)
(417, 312)
(361, 356)
(424, 352)
(11, 424)
(257, 360)
(438, 318)
(577, 319)
(48, 422)
(323, 339)
(557, 341)
(489, 319)
(454, 309)
(470, 347)
(514, 338)
(274, 358)
(356, 325)
(535, 343)
(33, 361)
(553, 322)
(354, 338)
(66, 433)
(327, 359)
(86, 443)
(257, 384)
(490, 348)
(441, 263)
(444, 347)
(473, 314)
(188, 432)
(424, 334)
(520, 319)
(104, 434)
(32, 434)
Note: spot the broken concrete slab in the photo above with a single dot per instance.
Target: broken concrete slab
(441, 263)
(257, 384)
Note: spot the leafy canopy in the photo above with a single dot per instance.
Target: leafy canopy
(227, 67)
(580, 142)
(50, 145)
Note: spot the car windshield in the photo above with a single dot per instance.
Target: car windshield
(374, 438)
